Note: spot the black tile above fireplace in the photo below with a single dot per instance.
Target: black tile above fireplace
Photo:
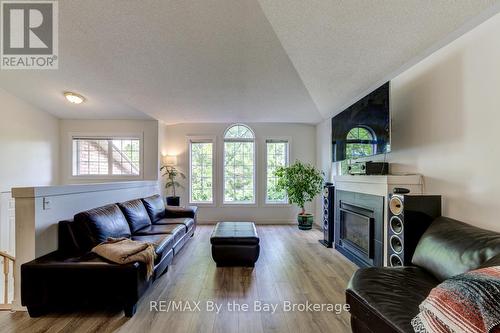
(359, 224)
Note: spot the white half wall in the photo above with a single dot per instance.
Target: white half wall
(446, 116)
(302, 140)
(145, 129)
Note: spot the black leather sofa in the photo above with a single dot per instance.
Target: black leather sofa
(73, 277)
(386, 299)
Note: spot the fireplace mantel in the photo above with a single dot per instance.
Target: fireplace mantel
(381, 186)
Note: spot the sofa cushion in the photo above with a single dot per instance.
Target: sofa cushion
(155, 207)
(187, 221)
(69, 238)
(163, 243)
(178, 230)
(450, 247)
(136, 214)
(101, 223)
(156, 229)
(389, 297)
(175, 211)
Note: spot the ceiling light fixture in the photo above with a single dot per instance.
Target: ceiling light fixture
(74, 97)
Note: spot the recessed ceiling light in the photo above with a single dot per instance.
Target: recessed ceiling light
(74, 97)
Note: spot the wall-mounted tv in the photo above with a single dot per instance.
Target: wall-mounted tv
(363, 129)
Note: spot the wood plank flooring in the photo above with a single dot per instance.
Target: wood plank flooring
(292, 266)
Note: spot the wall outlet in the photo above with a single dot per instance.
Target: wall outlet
(47, 204)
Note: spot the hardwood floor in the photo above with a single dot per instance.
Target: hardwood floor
(292, 266)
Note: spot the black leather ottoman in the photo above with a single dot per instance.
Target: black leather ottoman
(235, 244)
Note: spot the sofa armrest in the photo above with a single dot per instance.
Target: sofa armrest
(55, 279)
(174, 211)
(55, 261)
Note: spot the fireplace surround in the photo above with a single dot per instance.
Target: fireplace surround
(377, 186)
(359, 227)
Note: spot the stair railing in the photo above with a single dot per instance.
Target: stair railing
(7, 258)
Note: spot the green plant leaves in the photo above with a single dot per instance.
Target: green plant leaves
(302, 182)
(171, 173)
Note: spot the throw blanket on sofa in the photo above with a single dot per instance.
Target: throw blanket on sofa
(124, 251)
(468, 302)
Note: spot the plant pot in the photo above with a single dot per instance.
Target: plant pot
(305, 221)
(173, 201)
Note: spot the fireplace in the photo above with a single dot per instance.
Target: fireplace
(359, 227)
(356, 230)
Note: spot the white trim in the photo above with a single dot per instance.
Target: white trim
(48, 191)
(238, 139)
(255, 201)
(213, 141)
(277, 205)
(106, 135)
(240, 204)
(288, 150)
(256, 221)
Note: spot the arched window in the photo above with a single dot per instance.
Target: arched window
(239, 165)
(360, 141)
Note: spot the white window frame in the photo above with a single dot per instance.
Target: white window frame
(255, 161)
(288, 150)
(106, 136)
(213, 141)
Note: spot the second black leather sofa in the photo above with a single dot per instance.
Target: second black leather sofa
(385, 300)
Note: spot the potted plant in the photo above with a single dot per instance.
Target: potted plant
(171, 172)
(302, 182)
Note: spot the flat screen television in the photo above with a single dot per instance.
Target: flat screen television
(363, 129)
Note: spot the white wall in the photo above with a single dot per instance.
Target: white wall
(147, 129)
(302, 147)
(323, 159)
(29, 142)
(163, 150)
(446, 118)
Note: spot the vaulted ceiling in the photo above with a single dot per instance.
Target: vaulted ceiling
(226, 60)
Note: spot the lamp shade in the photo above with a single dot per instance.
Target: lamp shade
(170, 160)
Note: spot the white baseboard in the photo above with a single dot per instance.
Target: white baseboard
(17, 308)
(260, 222)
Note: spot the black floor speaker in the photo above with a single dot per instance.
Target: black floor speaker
(409, 217)
(328, 214)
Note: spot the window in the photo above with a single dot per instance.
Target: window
(106, 157)
(276, 156)
(239, 165)
(201, 166)
(92, 157)
(125, 157)
(360, 142)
